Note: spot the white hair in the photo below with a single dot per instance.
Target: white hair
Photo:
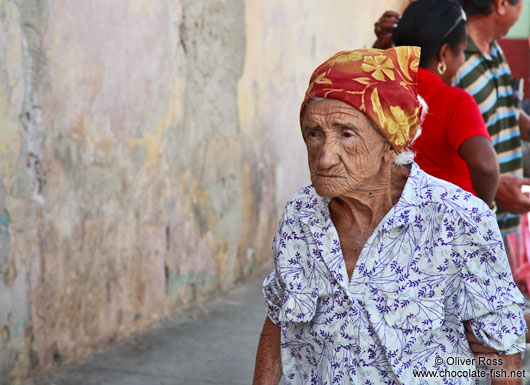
(407, 155)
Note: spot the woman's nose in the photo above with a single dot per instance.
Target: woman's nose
(329, 155)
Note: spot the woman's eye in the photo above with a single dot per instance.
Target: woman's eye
(347, 134)
(313, 134)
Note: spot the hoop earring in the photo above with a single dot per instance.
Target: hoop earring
(441, 67)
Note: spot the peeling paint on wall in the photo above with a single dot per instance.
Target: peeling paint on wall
(33, 14)
(147, 150)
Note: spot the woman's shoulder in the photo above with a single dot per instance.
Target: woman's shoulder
(459, 94)
(463, 114)
(445, 195)
(452, 98)
(438, 95)
(304, 197)
(453, 204)
(454, 107)
(430, 85)
(453, 95)
(305, 192)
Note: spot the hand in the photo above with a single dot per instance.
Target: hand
(509, 362)
(509, 196)
(384, 27)
(474, 344)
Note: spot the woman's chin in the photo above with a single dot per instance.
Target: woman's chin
(328, 190)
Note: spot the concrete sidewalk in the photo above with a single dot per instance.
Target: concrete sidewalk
(215, 344)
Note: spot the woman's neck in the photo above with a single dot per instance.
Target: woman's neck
(432, 66)
(368, 205)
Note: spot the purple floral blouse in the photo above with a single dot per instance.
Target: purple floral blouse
(435, 260)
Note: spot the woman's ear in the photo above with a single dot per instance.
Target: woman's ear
(442, 53)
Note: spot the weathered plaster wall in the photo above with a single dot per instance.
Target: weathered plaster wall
(285, 42)
(13, 284)
(146, 150)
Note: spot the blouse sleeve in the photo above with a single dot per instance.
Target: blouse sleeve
(488, 296)
(273, 287)
(466, 121)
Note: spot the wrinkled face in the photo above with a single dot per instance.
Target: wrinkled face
(345, 151)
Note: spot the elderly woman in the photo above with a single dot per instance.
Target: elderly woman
(377, 264)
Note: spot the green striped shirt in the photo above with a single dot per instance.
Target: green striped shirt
(488, 79)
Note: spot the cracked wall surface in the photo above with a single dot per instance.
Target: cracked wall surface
(147, 148)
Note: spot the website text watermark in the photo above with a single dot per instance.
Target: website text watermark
(475, 369)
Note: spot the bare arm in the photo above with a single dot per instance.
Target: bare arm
(509, 362)
(477, 347)
(268, 369)
(524, 126)
(481, 160)
(512, 365)
(383, 29)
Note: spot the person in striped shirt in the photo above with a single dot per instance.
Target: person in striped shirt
(486, 76)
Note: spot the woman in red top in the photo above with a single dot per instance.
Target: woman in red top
(454, 145)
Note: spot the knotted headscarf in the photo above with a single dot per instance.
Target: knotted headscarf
(380, 83)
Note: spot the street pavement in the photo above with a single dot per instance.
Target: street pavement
(213, 344)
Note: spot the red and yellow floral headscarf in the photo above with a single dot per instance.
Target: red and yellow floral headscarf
(380, 83)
